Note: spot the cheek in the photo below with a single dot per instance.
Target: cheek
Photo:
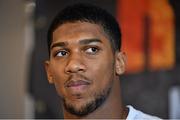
(102, 74)
(58, 88)
(59, 80)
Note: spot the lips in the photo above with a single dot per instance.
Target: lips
(77, 86)
(77, 83)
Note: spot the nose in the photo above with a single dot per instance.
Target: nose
(75, 64)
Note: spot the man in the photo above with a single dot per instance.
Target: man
(85, 63)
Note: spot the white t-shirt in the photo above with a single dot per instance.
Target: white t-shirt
(138, 115)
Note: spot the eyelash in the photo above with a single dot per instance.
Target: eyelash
(56, 53)
(92, 47)
(84, 49)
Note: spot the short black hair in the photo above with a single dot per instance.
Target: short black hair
(84, 12)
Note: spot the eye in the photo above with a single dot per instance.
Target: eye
(61, 53)
(92, 50)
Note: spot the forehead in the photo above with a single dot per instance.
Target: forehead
(77, 31)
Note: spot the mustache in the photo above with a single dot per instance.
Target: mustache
(77, 79)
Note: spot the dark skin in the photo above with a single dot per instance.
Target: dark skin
(82, 66)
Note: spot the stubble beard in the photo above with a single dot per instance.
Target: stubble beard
(90, 106)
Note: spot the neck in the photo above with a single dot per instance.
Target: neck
(112, 108)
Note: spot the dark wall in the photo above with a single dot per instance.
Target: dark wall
(147, 91)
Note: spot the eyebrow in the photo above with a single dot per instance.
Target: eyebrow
(88, 41)
(59, 44)
(82, 42)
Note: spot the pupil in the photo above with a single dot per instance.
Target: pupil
(93, 49)
(63, 53)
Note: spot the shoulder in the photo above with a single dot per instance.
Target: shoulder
(136, 114)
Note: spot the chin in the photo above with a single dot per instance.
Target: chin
(86, 106)
(79, 103)
(80, 107)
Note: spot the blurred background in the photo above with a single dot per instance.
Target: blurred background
(151, 33)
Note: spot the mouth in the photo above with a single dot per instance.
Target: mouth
(77, 86)
(77, 83)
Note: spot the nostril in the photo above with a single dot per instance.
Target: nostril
(74, 67)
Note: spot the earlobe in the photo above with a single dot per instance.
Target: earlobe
(120, 63)
(48, 72)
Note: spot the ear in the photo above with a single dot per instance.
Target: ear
(48, 72)
(120, 63)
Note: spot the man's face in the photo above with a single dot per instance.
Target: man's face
(81, 66)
